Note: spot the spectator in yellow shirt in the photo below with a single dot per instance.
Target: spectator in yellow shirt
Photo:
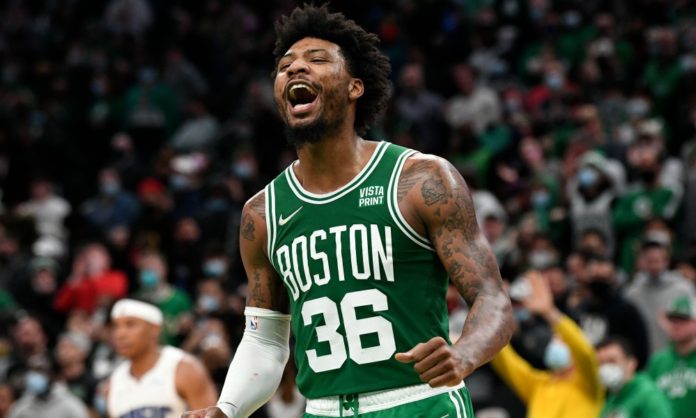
(571, 387)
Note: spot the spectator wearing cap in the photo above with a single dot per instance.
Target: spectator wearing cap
(45, 396)
(629, 394)
(655, 286)
(605, 311)
(674, 368)
(71, 355)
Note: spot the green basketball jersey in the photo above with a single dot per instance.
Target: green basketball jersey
(362, 284)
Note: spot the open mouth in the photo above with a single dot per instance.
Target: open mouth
(301, 96)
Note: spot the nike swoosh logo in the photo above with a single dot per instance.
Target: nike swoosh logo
(282, 221)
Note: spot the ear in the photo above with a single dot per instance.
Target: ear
(356, 88)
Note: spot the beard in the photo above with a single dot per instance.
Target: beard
(326, 125)
(297, 136)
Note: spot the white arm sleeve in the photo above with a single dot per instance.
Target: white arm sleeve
(258, 364)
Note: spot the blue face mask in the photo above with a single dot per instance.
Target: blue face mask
(557, 355)
(36, 383)
(522, 314)
(179, 182)
(100, 404)
(587, 177)
(149, 279)
(110, 188)
(208, 303)
(541, 199)
(214, 268)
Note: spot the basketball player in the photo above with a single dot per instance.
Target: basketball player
(363, 237)
(155, 381)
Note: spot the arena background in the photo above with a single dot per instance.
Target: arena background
(131, 126)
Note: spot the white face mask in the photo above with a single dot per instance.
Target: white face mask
(612, 376)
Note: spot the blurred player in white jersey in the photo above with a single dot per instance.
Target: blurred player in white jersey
(156, 381)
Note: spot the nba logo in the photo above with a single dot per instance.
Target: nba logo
(253, 323)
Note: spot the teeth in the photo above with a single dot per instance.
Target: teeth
(292, 91)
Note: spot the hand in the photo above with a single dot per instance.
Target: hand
(211, 412)
(540, 301)
(436, 362)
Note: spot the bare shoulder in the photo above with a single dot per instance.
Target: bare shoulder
(433, 189)
(257, 204)
(190, 367)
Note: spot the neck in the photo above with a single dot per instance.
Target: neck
(331, 163)
(142, 363)
(73, 370)
(686, 347)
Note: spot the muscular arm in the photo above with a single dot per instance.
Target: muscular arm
(265, 289)
(193, 383)
(436, 201)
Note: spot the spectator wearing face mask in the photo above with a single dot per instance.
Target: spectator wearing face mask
(174, 303)
(112, 207)
(629, 394)
(606, 312)
(674, 368)
(592, 193)
(45, 397)
(571, 387)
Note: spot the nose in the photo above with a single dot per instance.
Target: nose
(297, 66)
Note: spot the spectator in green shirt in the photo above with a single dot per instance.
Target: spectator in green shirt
(175, 304)
(674, 368)
(629, 394)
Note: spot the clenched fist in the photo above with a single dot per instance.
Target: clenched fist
(436, 362)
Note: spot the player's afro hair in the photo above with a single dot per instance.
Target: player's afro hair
(359, 48)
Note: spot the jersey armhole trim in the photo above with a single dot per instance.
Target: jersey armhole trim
(393, 204)
(270, 221)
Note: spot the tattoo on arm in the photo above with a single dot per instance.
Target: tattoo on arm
(265, 289)
(247, 228)
(410, 177)
(470, 263)
(257, 205)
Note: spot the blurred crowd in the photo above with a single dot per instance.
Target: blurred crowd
(133, 131)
